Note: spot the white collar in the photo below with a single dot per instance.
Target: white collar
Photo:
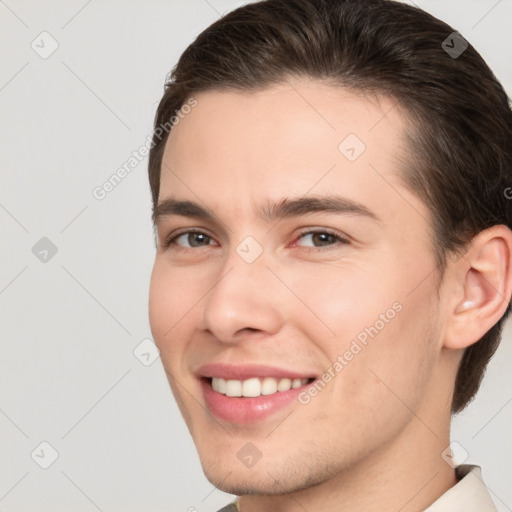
(469, 494)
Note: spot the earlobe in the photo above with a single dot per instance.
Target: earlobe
(486, 283)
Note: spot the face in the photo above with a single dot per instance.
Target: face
(334, 284)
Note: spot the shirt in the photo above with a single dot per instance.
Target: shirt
(469, 494)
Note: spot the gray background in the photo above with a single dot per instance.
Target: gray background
(72, 374)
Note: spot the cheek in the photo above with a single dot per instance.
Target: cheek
(373, 322)
(167, 307)
(340, 301)
(389, 376)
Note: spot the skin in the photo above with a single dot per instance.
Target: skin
(372, 439)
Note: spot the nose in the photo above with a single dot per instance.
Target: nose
(245, 299)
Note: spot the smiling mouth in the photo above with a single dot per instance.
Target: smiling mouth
(255, 386)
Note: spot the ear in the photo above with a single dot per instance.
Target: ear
(482, 287)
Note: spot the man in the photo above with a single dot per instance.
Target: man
(333, 266)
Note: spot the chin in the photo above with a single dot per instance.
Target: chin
(233, 482)
(265, 478)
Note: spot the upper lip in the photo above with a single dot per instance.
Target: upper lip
(246, 371)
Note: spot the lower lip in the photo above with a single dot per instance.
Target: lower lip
(244, 410)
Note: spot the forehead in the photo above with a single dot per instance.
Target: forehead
(288, 139)
(307, 103)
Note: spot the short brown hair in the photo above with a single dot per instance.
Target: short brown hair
(461, 138)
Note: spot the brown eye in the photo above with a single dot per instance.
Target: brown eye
(193, 238)
(321, 238)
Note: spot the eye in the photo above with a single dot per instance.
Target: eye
(194, 238)
(323, 237)
(198, 239)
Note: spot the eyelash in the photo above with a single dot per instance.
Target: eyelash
(170, 240)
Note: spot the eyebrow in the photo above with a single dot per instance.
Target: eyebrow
(285, 208)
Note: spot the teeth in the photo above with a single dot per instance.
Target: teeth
(233, 388)
(251, 387)
(297, 383)
(268, 386)
(255, 386)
